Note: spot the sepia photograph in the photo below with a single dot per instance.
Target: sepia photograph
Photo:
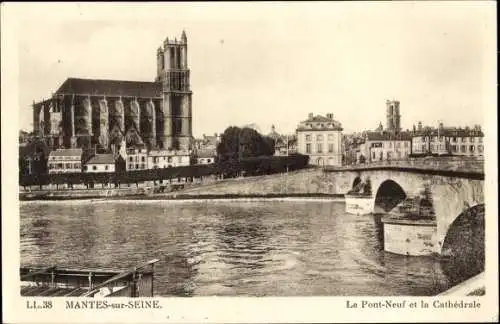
(257, 150)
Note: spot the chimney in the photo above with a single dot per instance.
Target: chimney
(419, 125)
(329, 116)
(310, 115)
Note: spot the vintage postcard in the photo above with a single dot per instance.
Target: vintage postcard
(249, 162)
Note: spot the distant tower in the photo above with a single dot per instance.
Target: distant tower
(393, 116)
(173, 73)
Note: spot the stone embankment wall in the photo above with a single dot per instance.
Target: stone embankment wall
(83, 194)
(310, 181)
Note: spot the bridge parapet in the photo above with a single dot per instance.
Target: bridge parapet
(474, 165)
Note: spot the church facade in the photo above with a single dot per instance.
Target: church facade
(89, 113)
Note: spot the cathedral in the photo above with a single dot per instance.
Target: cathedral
(90, 113)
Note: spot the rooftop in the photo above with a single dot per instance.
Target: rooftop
(210, 139)
(450, 132)
(110, 87)
(102, 159)
(388, 136)
(274, 134)
(67, 152)
(318, 122)
(168, 152)
(205, 153)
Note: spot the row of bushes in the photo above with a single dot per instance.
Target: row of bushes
(228, 169)
(263, 165)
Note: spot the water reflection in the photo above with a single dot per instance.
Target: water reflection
(230, 248)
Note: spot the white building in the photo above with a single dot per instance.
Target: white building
(65, 161)
(448, 140)
(384, 146)
(159, 159)
(207, 142)
(100, 163)
(205, 156)
(321, 138)
(283, 144)
(136, 159)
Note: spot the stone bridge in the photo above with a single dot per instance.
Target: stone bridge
(455, 186)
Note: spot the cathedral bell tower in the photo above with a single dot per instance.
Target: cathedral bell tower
(173, 73)
(393, 116)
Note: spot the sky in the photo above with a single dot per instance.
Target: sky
(273, 63)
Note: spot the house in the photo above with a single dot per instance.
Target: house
(448, 141)
(283, 144)
(65, 161)
(205, 156)
(468, 141)
(352, 146)
(159, 159)
(208, 142)
(100, 163)
(320, 137)
(136, 158)
(384, 146)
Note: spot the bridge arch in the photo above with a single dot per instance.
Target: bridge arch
(463, 245)
(388, 195)
(442, 197)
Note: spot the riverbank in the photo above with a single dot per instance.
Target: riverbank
(303, 183)
(84, 194)
(181, 196)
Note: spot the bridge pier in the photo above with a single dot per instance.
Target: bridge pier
(440, 196)
(359, 204)
(410, 237)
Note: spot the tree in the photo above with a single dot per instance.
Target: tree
(228, 147)
(239, 143)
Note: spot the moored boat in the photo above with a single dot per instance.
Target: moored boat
(65, 282)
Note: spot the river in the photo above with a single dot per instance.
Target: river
(266, 248)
